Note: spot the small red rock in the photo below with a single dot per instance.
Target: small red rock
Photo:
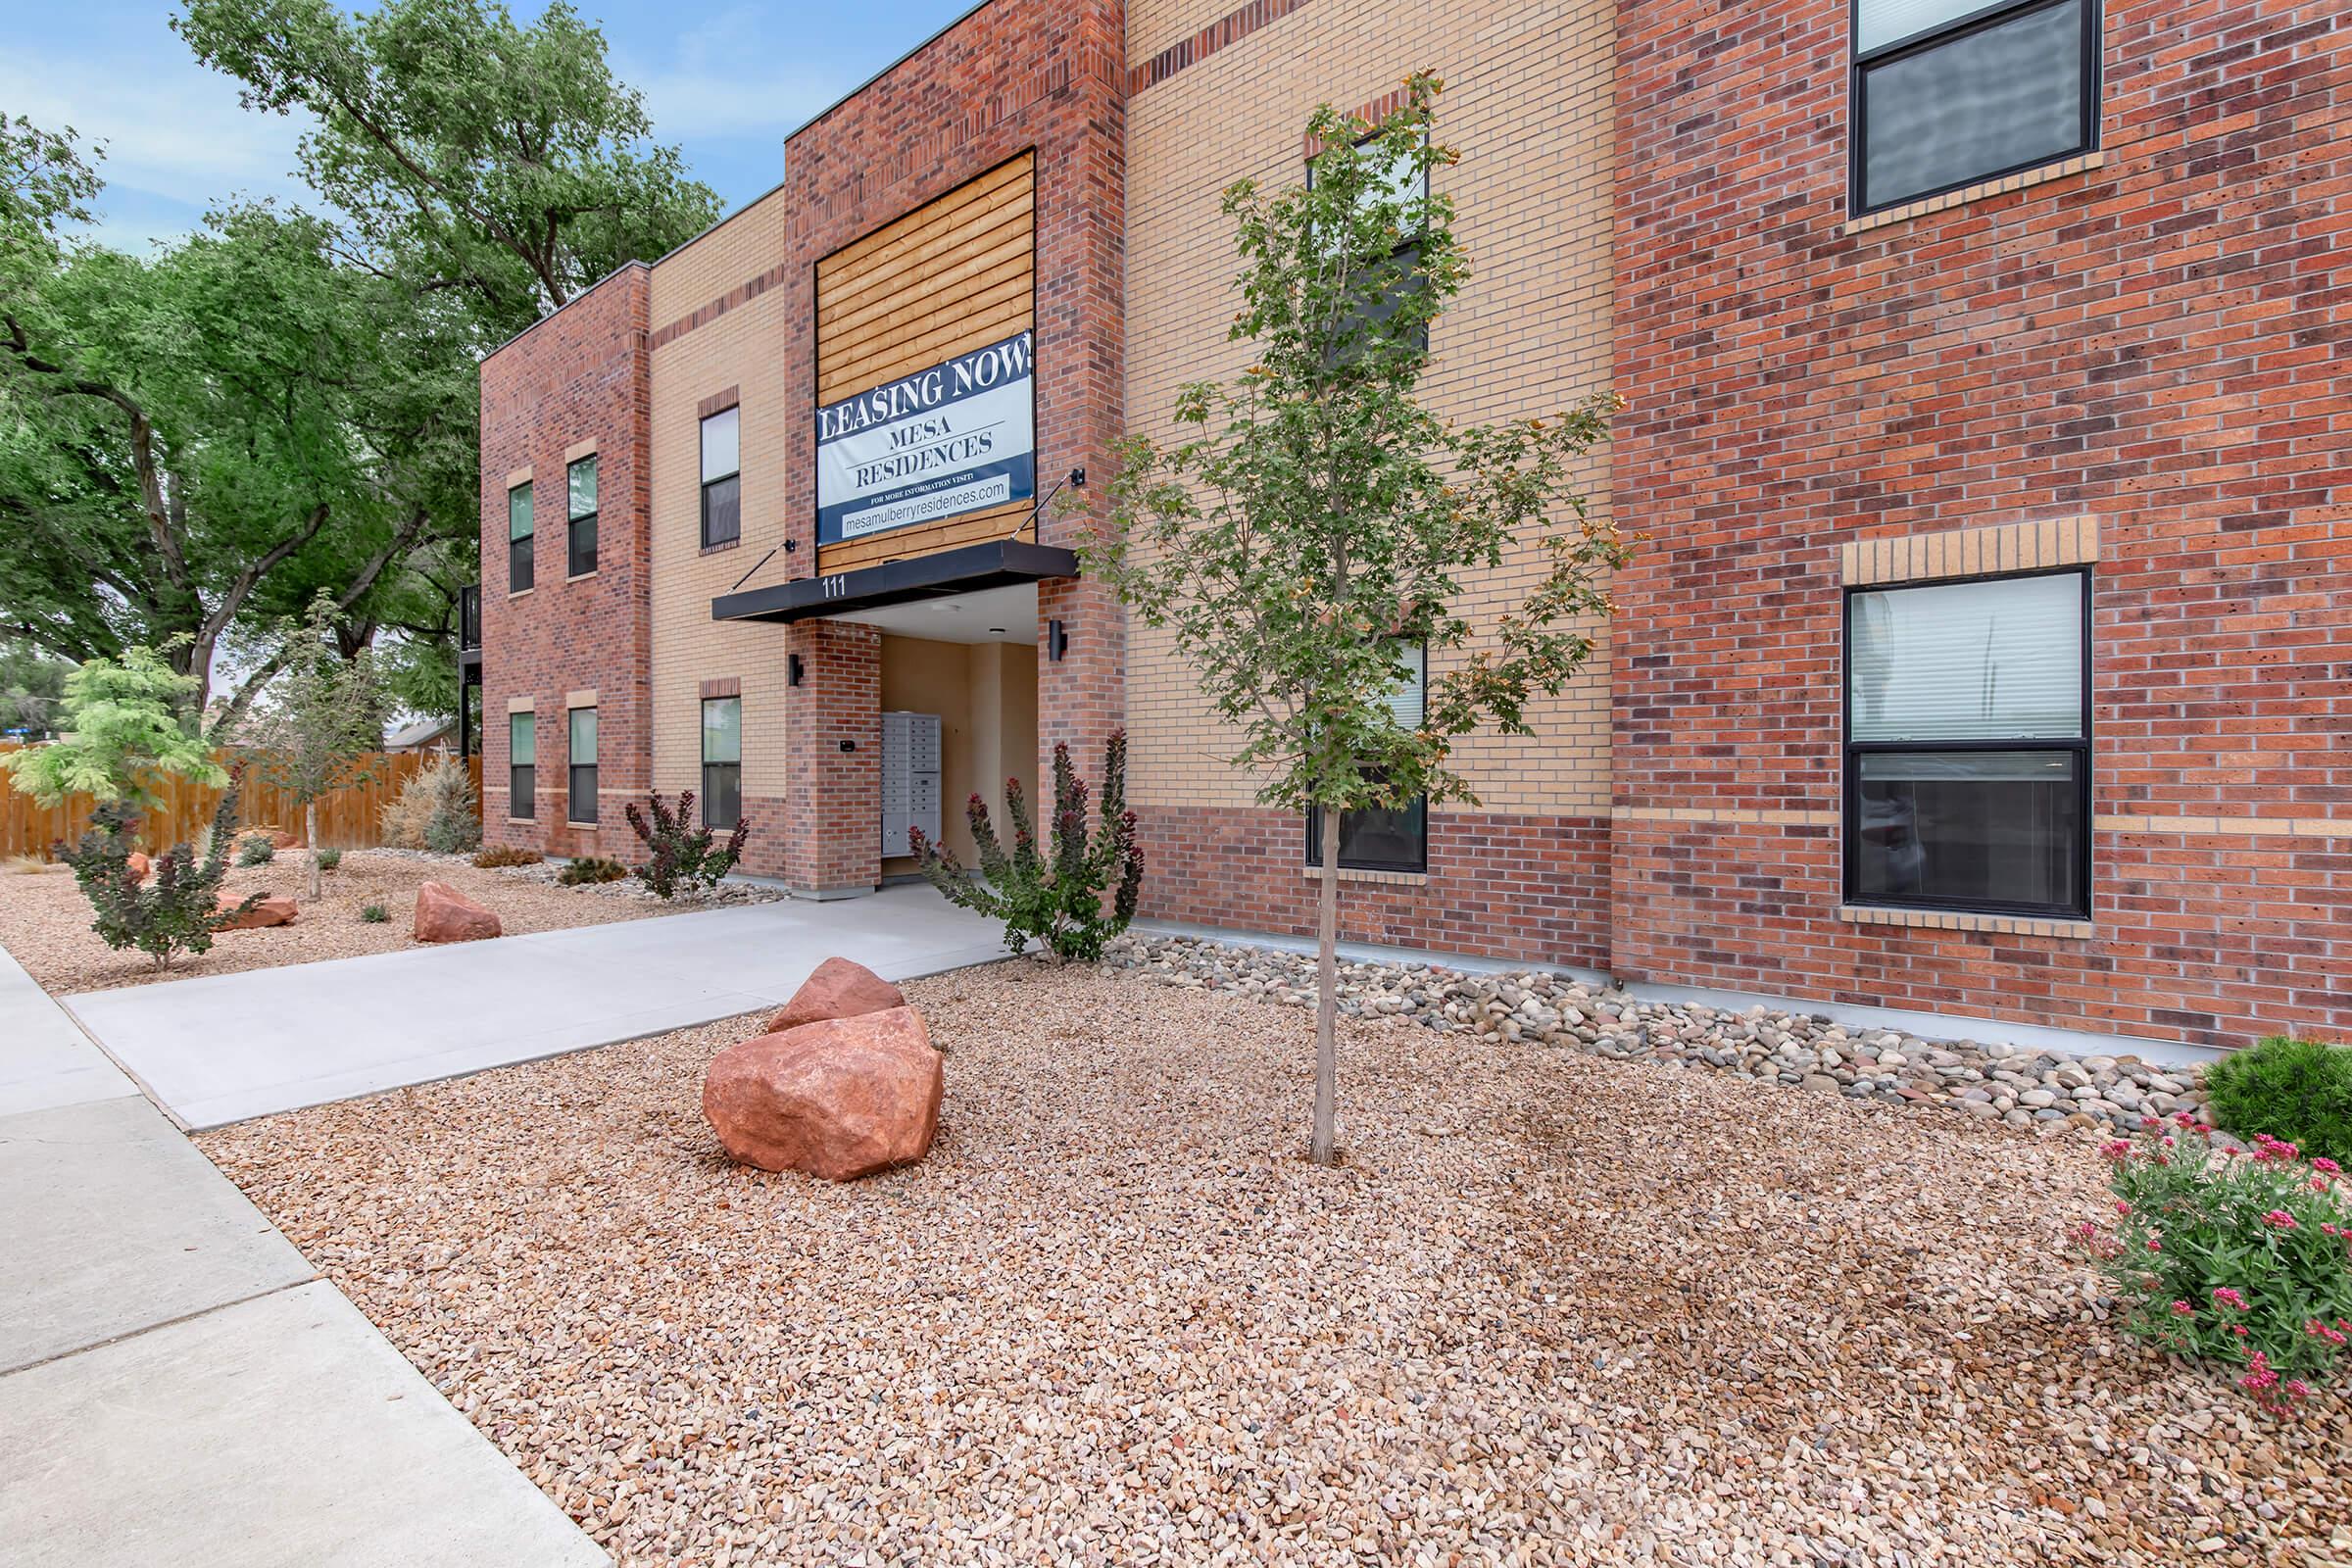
(269, 911)
(839, 988)
(840, 1097)
(444, 914)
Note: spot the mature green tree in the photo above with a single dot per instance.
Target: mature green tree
(32, 689)
(502, 162)
(321, 720)
(209, 437)
(124, 726)
(1315, 524)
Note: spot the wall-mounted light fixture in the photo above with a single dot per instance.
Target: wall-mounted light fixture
(792, 669)
(1058, 641)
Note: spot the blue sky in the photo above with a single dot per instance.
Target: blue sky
(725, 79)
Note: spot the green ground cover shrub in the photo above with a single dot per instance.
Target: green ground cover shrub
(2296, 1090)
(590, 868)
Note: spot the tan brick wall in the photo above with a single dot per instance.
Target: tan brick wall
(1528, 106)
(735, 350)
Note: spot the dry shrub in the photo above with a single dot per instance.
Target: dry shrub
(435, 810)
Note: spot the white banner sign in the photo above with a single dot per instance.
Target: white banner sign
(958, 437)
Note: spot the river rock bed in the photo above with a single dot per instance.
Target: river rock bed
(1992, 1081)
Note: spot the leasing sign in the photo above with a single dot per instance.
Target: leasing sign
(958, 437)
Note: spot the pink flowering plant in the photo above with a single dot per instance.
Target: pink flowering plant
(2245, 1258)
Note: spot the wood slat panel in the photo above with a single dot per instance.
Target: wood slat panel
(949, 276)
(926, 338)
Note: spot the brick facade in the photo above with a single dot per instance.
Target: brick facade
(2152, 340)
(2129, 362)
(575, 381)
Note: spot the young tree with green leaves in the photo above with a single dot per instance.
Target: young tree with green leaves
(323, 718)
(1314, 525)
(125, 723)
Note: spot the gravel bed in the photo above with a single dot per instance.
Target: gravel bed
(45, 921)
(2046, 1090)
(1552, 1309)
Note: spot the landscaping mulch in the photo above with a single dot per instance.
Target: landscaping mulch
(1554, 1308)
(45, 921)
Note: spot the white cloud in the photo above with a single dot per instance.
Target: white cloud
(177, 139)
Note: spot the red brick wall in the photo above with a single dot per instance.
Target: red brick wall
(832, 810)
(578, 375)
(2159, 343)
(1533, 887)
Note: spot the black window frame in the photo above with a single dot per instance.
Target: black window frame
(1859, 64)
(523, 573)
(1853, 751)
(732, 477)
(577, 523)
(736, 766)
(522, 778)
(573, 770)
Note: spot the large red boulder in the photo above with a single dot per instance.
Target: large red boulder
(269, 911)
(839, 988)
(840, 1098)
(444, 914)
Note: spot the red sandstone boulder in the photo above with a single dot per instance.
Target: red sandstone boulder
(444, 914)
(840, 1098)
(284, 838)
(839, 988)
(269, 909)
(139, 867)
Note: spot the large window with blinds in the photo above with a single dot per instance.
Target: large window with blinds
(581, 792)
(1968, 745)
(723, 479)
(519, 534)
(523, 773)
(1392, 838)
(1946, 93)
(722, 761)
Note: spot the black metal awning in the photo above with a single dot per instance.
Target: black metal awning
(996, 565)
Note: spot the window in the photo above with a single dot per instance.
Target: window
(1385, 838)
(580, 802)
(1405, 183)
(523, 753)
(518, 538)
(579, 508)
(722, 761)
(722, 483)
(1968, 745)
(1949, 92)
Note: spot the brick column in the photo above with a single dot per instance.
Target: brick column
(834, 809)
(1081, 699)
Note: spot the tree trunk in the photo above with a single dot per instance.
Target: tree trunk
(1327, 993)
(309, 836)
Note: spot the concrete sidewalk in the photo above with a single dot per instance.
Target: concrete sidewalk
(176, 1383)
(223, 1048)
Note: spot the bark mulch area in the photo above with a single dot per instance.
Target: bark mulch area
(45, 921)
(1552, 1309)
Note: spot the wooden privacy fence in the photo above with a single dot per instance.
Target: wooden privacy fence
(347, 818)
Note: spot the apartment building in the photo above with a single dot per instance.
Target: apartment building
(1985, 652)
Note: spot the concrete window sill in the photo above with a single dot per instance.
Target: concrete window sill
(2078, 164)
(2014, 925)
(1392, 879)
(585, 576)
(521, 592)
(722, 548)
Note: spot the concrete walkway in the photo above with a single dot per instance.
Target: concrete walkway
(177, 1385)
(223, 1048)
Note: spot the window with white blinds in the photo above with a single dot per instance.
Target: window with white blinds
(1970, 661)
(1409, 701)
(1946, 93)
(1968, 747)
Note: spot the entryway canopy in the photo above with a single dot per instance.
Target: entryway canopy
(997, 563)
